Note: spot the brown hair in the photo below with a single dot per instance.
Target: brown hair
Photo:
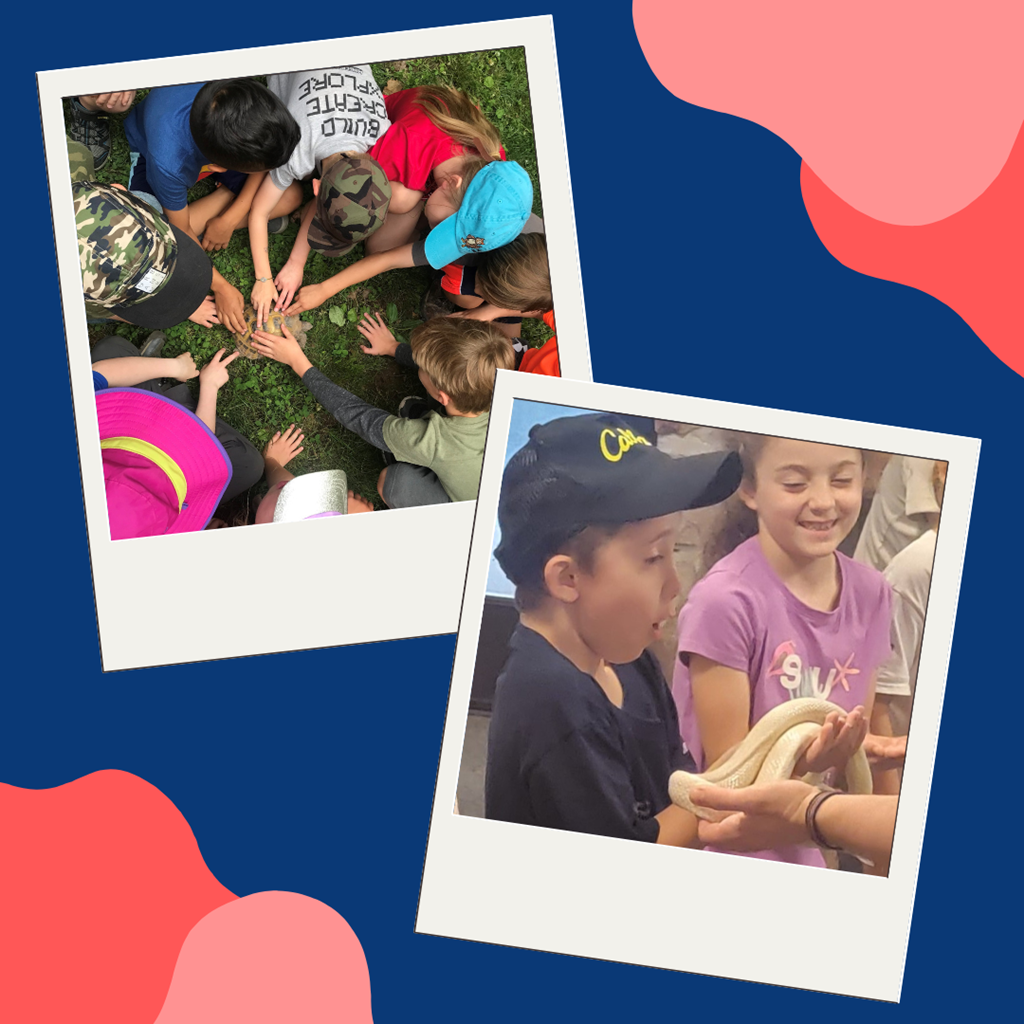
(461, 357)
(471, 167)
(457, 115)
(515, 276)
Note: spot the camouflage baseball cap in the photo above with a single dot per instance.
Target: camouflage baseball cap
(81, 161)
(352, 203)
(135, 265)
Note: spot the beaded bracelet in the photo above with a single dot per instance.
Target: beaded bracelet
(811, 815)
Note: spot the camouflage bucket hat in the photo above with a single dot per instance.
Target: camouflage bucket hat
(135, 265)
(352, 203)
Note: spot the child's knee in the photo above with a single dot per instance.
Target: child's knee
(380, 484)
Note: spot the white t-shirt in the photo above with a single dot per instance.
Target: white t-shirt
(338, 110)
(910, 576)
(898, 511)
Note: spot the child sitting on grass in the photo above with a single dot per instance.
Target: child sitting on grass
(439, 454)
(584, 734)
(234, 129)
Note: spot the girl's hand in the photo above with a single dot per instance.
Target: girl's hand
(282, 350)
(186, 367)
(308, 298)
(835, 744)
(263, 296)
(215, 372)
(282, 448)
(764, 816)
(288, 281)
(206, 314)
(381, 341)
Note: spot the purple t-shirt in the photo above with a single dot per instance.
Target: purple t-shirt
(744, 617)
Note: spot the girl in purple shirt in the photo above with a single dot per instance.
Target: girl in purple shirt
(785, 615)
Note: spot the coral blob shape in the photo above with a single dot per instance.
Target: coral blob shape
(905, 109)
(101, 880)
(973, 261)
(269, 958)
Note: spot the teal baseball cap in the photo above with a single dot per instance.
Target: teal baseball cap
(497, 204)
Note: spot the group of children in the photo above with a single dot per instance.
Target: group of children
(585, 731)
(385, 170)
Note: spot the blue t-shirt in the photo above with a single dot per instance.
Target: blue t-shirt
(158, 128)
(99, 382)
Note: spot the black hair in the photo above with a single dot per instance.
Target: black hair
(241, 125)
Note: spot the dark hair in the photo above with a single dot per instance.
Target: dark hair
(241, 125)
(582, 546)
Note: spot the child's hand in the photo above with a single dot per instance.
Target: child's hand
(885, 752)
(264, 295)
(215, 372)
(111, 102)
(382, 341)
(282, 448)
(186, 367)
(217, 234)
(308, 298)
(283, 350)
(357, 503)
(835, 744)
(288, 281)
(230, 306)
(206, 314)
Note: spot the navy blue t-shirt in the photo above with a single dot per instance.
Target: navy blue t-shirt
(561, 755)
(158, 128)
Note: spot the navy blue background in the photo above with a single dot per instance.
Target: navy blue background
(314, 771)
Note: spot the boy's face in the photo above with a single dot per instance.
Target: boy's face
(631, 591)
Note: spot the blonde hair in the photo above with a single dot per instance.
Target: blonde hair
(471, 167)
(515, 276)
(461, 358)
(458, 116)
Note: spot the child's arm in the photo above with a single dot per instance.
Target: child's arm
(884, 779)
(403, 200)
(219, 229)
(212, 377)
(127, 371)
(350, 411)
(289, 277)
(369, 266)
(381, 341)
(677, 827)
(264, 294)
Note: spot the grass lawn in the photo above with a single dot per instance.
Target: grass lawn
(263, 396)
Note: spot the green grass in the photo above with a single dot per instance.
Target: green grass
(263, 396)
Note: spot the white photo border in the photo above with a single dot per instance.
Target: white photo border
(733, 917)
(340, 573)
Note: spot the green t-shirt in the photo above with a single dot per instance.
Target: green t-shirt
(452, 446)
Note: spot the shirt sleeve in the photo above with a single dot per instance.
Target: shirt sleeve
(717, 622)
(917, 478)
(99, 382)
(349, 410)
(582, 785)
(403, 356)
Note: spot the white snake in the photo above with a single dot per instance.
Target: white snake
(769, 752)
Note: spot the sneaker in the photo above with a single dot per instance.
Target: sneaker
(154, 344)
(278, 225)
(415, 407)
(91, 130)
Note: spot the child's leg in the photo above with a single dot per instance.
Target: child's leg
(397, 229)
(404, 485)
(202, 211)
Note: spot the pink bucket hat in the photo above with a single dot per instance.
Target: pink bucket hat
(164, 469)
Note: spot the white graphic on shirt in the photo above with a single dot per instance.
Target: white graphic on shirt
(806, 680)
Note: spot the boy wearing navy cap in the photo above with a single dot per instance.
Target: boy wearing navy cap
(584, 733)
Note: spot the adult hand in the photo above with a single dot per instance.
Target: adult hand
(186, 367)
(217, 234)
(288, 281)
(206, 314)
(308, 298)
(263, 296)
(215, 372)
(111, 102)
(885, 752)
(282, 350)
(230, 307)
(282, 448)
(760, 817)
(381, 341)
(837, 741)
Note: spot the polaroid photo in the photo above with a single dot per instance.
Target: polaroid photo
(543, 802)
(338, 570)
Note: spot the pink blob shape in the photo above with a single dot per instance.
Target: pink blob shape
(268, 958)
(906, 109)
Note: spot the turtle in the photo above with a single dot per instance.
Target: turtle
(275, 320)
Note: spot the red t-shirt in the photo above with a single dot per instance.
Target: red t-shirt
(413, 146)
